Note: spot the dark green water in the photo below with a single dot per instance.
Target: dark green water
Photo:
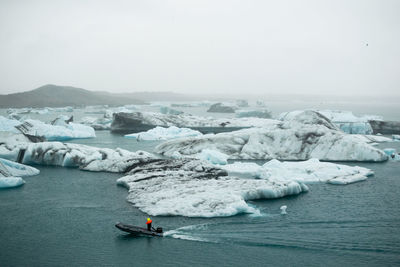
(66, 217)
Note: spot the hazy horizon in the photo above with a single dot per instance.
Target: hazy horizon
(202, 47)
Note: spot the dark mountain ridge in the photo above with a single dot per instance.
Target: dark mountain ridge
(60, 96)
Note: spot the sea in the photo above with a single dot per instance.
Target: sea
(66, 217)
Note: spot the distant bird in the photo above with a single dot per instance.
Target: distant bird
(366, 44)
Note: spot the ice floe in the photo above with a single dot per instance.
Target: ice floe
(195, 188)
(59, 132)
(143, 121)
(289, 140)
(310, 171)
(17, 169)
(71, 155)
(161, 133)
(11, 173)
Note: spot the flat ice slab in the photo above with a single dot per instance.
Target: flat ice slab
(195, 188)
(162, 133)
(308, 172)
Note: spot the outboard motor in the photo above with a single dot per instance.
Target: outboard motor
(159, 230)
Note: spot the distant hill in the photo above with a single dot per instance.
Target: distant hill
(60, 96)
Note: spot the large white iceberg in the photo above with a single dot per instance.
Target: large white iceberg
(59, 132)
(195, 188)
(345, 120)
(161, 133)
(310, 171)
(127, 121)
(70, 155)
(310, 136)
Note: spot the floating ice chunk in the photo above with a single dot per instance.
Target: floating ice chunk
(392, 153)
(60, 133)
(283, 210)
(168, 110)
(396, 137)
(161, 133)
(130, 121)
(17, 169)
(8, 125)
(9, 182)
(195, 188)
(253, 113)
(213, 156)
(286, 141)
(310, 171)
(345, 120)
(97, 123)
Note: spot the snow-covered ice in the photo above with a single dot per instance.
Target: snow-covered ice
(60, 132)
(196, 188)
(345, 120)
(310, 171)
(11, 173)
(17, 169)
(187, 120)
(9, 182)
(71, 155)
(97, 123)
(309, 135)
(161, 133)
(8, 125)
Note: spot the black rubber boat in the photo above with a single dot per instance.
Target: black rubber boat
(136, 230)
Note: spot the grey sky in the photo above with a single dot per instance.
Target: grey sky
(259, 47)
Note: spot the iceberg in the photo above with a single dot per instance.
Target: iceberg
(142, 121)
(60, 131)
(308, 136)
(8, 125)
(161, 133)
(212, 156)
(307, 172)
(392, 153)
(171, 111)
(11, 168)
(253, 113)
(97, 123)
(345, 120)
(10, 182)
(70, 155)
(195, 188)
(11, 173)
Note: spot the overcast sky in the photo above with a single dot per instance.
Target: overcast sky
(259, 47)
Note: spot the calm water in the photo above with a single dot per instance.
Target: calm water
(66, 217)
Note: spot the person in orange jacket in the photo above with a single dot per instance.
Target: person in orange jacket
(149, 221)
